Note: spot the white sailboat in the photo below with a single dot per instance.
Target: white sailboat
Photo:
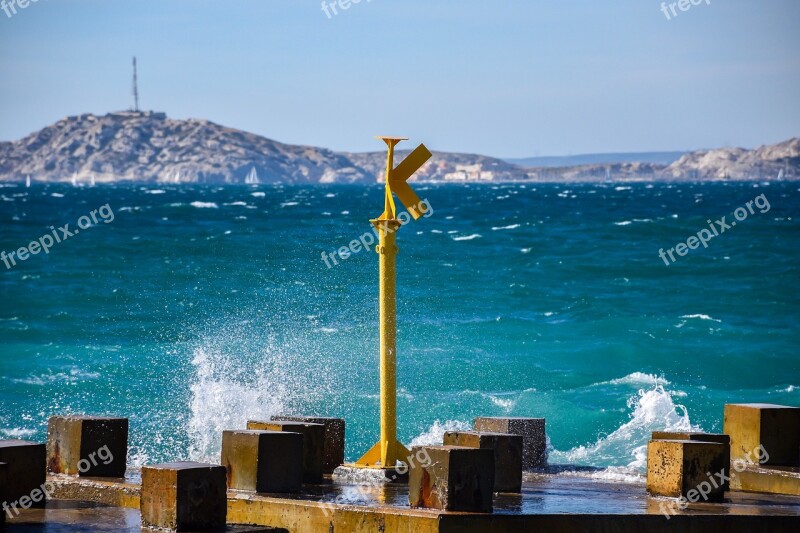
(177, 178)
(74, 179)
(92, 181)
(252, 177)
(28, 181)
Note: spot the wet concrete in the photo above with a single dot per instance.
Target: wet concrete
(70, 516)
(553, 501)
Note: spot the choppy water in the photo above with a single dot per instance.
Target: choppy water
(197, 308)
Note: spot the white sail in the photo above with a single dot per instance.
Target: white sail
(75, 179)
(28, 181)
(177, 178)
(252, 177)
(92, 180)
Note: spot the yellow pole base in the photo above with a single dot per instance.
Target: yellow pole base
(372, 459)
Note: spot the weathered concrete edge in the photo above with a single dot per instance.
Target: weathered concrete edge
(766, 480)
(115, 493)
(303, 515)
(454, 523)
(291, 514)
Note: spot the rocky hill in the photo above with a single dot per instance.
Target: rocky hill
(764, 162)
(150, 147)
(147, 146)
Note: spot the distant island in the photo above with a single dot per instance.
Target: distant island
(150, 147)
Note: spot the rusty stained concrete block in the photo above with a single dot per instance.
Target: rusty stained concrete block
(333, 449)
(701, 437)
(263, 461)
(26, 468)
(455, 479)
(686, 468)
(184, 496)
(534, 438)
(87, 446)
(775, 427)
(507, 455)
(313, 444)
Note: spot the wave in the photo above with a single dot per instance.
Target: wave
(17, 433)
(625, 449)
(505, 401)
(74, 375)
(434, 435)
(510, 226)
(230, 388)
(205, 205)
(467, 237)
(637, 378)
(701, 317)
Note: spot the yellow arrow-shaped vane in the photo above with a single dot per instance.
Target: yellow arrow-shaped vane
(398, 177)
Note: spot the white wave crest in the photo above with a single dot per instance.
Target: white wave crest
(625, 449)
(701, 317)
(435, 434)
(467, 237)
(637, 378)
(204, 205)
(231, 387)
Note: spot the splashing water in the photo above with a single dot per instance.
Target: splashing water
(625, 449)
(435, 434)
(230, 391)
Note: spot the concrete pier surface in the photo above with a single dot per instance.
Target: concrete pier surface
(554, 501)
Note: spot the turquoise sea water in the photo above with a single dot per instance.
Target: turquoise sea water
(199, 307)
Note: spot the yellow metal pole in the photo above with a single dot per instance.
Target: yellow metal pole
(388, 323)
(387, 452)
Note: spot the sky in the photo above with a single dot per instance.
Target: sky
(509, 78)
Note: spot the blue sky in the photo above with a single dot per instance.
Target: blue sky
(508, 78)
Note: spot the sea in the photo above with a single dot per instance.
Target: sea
(191, 309)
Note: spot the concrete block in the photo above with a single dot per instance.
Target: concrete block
(26, 468)
(455, 479)
(507, 455)
(333, 449)
(263, 461)
(87, 446)
(686, 468)
(3, 499)
(701, 437)
(775, 427)
(184, 497)
(534, 438)
(313, 444)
